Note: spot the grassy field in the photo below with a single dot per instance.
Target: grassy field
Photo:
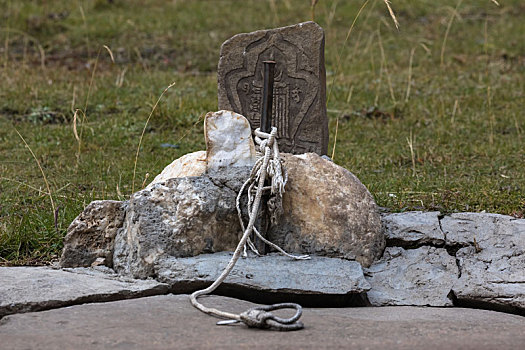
(429, 117)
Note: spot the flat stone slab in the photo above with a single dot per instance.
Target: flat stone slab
(170, 322)
(422, 277)
(270, 273)
(25, 289)
(413, 228)
(486, 229)
(489, 250)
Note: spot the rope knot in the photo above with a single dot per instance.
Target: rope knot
(254, 318)
(260, 317)
(264, 139)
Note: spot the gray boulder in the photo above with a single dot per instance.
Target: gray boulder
(422, 276)
(327, 212)
(181, 217)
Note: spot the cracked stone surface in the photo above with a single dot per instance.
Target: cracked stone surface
(491, 279)
(170, 322)
(414, 228)
(489, 230)
(272, 273)
(422, 276)
(420, 266)
(25, 289)
(489, 250)
(492, 264)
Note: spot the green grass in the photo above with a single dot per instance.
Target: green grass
(455, 142)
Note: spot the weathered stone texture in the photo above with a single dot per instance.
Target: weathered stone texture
(488, 230)
(422, 276)
(327, 211)
(170, 322)
(489, 250)
(91, 235)
(492, 278)
(492, 264)
(180, 217)
(414, 228)
(25, 289)
(271, 273)
(299, 102)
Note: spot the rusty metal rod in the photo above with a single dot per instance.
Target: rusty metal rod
(266, 126)
(267, 97)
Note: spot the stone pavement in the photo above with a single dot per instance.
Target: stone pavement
(170, 322)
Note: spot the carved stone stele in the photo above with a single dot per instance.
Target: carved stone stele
(299, 102)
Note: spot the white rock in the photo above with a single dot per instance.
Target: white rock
(191, 164)
(229, 143)
(228, 140)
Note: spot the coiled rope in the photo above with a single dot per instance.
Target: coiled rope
(267, 166)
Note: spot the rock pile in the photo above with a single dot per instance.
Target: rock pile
(162, 232)
(327, 211)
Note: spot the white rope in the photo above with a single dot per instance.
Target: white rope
(267, 166)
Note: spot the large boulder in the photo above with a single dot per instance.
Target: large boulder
(180, 217)
(190, 209)
(327, 211)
